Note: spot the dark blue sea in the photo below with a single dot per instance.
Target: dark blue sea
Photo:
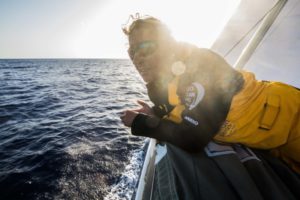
(60, 132)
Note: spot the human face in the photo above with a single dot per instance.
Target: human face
(143, 49)
(149, 54)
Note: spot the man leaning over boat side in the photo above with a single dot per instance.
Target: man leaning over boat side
(199, 97)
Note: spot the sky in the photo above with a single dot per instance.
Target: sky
(92, 28)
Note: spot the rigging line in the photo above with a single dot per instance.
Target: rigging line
(249, 31)
(280, 21)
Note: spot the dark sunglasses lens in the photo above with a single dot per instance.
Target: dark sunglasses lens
(144, 49)
(149, 50)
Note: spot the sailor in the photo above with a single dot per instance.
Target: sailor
(199, 97)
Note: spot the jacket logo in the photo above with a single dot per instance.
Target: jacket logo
(194, 94)
(191, 120)
(227, 129)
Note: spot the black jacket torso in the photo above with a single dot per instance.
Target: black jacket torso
(206, 89)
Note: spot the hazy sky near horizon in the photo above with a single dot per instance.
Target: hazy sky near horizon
(92, 28)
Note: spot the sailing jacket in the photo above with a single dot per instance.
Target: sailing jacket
(265, 115)
(220, 103)
(191, 108)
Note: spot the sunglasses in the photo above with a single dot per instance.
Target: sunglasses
(143, 49)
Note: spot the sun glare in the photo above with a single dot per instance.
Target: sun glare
(195, 21)
(207, 24)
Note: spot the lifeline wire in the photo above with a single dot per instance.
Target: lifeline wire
(250, 30)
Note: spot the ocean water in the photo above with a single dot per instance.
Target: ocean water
(60, 132)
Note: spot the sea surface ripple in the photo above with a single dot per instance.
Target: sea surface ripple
(60, 132)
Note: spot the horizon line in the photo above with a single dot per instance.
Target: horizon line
(69, 58)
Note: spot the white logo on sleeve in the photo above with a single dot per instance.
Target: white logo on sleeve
(191, 120)
(194, 94)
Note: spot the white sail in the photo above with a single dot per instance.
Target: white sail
(277, 56)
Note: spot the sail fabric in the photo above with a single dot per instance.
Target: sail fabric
(276, 57)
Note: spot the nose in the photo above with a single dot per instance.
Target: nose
(138, 61)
